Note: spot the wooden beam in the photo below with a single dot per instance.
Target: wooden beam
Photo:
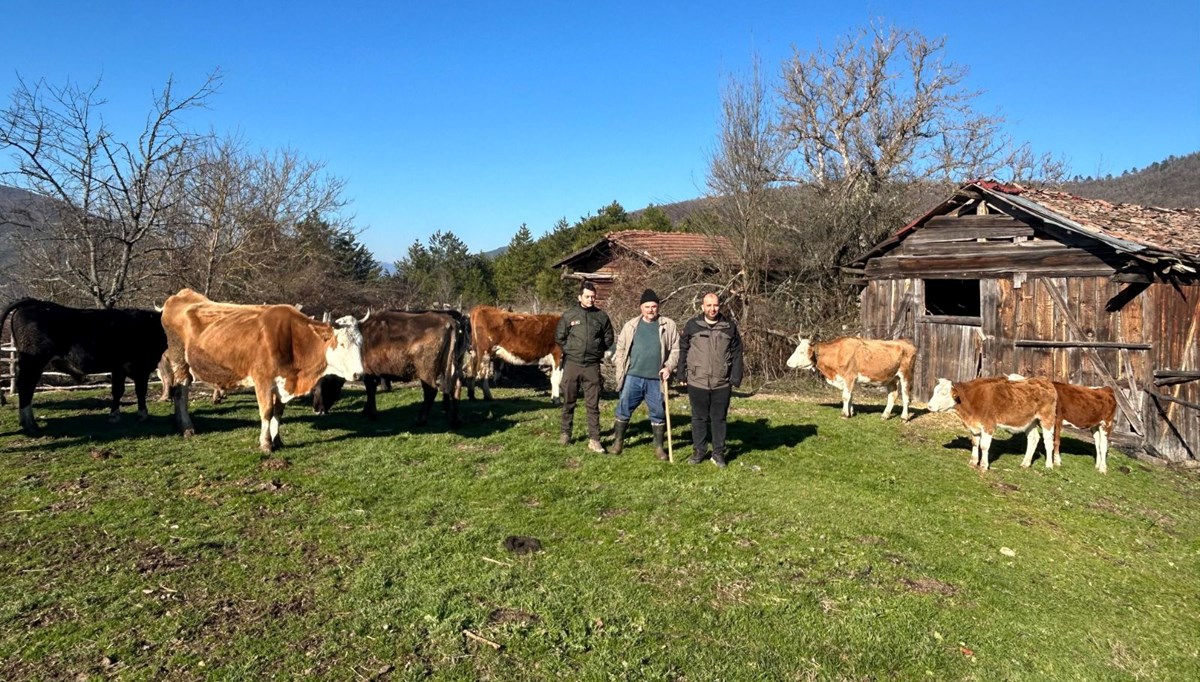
(1177, 401)
(965, 320)
(995, 221)
(1060, 300)
(1037, 343)
(969, 234)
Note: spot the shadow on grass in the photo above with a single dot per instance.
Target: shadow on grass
(877, 409)
(480, 418)
(1016, 443)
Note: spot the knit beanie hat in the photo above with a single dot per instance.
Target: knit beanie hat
(648, 296)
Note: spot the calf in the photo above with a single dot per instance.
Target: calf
(983, 404)
(1093, 408)
(401, 346)
(849, 360)
(123, 342)
(274, 348)
(516, 338)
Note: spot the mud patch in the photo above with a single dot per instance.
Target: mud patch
(103, 453)
(159, 560)
(929, 586)
(505, 616)
(275, 464)
(521, 544)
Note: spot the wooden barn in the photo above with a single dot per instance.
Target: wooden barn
(1001, 278)
(601, 260)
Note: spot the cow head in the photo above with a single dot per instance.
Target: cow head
(344, 357)
(802, 358)
(944, 396)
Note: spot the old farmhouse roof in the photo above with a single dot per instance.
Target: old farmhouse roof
(1168, 237)
(656, 248)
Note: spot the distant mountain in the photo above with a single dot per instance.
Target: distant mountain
(1171, 183)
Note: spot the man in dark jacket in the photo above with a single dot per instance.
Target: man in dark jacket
(585, 333)
(710, 363)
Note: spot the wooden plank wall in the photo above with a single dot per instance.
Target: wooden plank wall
(1174, 316)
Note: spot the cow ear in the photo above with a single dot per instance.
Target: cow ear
(954, 394)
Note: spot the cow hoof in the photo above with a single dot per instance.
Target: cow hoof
(1025, 465)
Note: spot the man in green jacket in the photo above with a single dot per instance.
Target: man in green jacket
(710, 363)
(585, 333)
(647, 351)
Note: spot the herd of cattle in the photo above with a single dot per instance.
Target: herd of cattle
(282, 353)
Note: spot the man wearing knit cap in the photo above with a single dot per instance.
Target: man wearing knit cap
(647, 351)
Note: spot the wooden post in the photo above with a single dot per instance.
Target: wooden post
(667, 411)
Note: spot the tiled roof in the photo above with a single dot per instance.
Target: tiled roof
(1174, 231)
(671, 247)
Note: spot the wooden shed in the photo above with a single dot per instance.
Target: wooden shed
(1001, 278)
(600, 261)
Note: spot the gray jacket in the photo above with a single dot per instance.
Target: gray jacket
(710, 357)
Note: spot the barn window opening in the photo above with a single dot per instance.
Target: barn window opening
(952, 297)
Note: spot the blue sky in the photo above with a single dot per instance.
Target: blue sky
(477, 117)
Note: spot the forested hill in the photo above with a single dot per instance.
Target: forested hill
(1171, 183)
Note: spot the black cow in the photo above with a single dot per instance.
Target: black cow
(124, 342)
(401, 346)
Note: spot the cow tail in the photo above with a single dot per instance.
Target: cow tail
(11, 307)
(450, 365)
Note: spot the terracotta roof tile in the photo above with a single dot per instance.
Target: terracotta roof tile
(671, 247)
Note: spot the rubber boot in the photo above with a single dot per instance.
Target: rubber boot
(660, 430)
(619, 436)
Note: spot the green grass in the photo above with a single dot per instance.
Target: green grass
(829, 549)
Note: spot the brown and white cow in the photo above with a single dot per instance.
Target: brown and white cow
(850, 360)
(516, 338)
(1084, 407)
(275, 348)
(1025, 406)
(402, 346)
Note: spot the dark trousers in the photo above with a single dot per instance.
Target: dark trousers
(709, 408)
(585, 379)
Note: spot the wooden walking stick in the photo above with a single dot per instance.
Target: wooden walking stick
(667, 410)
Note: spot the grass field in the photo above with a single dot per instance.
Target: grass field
(828, 549)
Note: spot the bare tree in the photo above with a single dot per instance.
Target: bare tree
(113, 200)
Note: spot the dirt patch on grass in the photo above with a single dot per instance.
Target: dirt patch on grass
(1105, 505)
(926, 585)
(103, 453)
(870, 540)
(1005, 487)
(572, 463)
(275, 464)
(613, 513)
(159, 560)
(506, 616)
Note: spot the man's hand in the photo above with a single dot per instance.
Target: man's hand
(664, 373)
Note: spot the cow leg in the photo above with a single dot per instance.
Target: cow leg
(904, 416)
(974, 449)
(893, 388)
(141, 385)
(427, 404)
(118, 392)
(556, 375)
(371, 382)
(265, 392)
(1053, 456)
(29, 372)
(451, 399)
(847, 398)
(985, 445)
(1101, 440)
(1031, 443)
(183, 420)
(486, 386)
(276, 417)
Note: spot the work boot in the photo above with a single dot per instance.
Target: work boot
(595, 446)
(619, 436)
(564, 439)
(696, 458)
(719, 459)
(659, 431)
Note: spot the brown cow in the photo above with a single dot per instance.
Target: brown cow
(402, 346)
(850, 360)
(983, 404)
(276, 349)
(516, 338)
(1093, 408)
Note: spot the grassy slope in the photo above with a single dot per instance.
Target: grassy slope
(829, 549)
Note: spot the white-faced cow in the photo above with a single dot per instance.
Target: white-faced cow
(515, 338)
(274, 348)
(402, 346)
(1024, 406)
(849, 360)
(1093, 408)
(123, 342)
